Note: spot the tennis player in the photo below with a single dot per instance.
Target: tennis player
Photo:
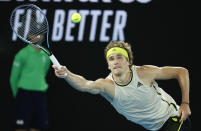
(29, 88)
(133, 91)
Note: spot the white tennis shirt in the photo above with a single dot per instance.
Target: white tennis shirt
(149, 107)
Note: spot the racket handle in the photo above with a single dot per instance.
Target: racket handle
(55, 61)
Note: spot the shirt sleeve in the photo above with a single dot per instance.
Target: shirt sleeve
(16, 72)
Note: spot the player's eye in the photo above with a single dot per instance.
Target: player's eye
(111, 58)
(119, 57)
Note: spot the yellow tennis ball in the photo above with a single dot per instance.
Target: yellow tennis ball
(76, 17)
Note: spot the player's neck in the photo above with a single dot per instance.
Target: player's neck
(124, 78)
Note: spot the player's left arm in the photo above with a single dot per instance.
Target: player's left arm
(169, 72)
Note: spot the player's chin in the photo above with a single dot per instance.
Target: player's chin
(117, 72)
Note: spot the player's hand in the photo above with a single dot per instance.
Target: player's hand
(184, 112)
(61, 73)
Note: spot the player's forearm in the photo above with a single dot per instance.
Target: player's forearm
(184, 83)
(77, 82)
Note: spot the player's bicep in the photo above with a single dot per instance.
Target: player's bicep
(169, 72)
(95, 87)
(166, 72)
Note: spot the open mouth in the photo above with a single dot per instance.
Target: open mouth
(116, 67)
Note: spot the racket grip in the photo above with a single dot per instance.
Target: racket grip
(55, 61)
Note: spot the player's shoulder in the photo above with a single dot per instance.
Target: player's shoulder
(144, 68)
(106, 85)
(104, 81)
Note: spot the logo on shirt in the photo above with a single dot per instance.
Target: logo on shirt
(139, 84)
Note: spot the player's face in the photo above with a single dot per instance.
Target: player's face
(118, 63)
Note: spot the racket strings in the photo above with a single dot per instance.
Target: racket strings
(33, 29)
(36, 24)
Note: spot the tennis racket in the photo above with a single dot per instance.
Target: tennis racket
(30, 24)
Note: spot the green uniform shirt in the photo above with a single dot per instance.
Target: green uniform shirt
(29, 70)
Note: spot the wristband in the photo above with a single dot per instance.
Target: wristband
(185, 103)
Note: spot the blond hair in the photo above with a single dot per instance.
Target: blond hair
(123, 45)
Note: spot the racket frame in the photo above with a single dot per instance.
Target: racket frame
(49, 52)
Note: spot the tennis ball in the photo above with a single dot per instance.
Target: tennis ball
(76, 17)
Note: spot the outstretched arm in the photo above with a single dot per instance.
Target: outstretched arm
(79, 82)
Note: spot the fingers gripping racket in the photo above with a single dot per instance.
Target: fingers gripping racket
(30, 24)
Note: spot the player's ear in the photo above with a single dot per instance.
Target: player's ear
(109, 67)
(128, 62)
